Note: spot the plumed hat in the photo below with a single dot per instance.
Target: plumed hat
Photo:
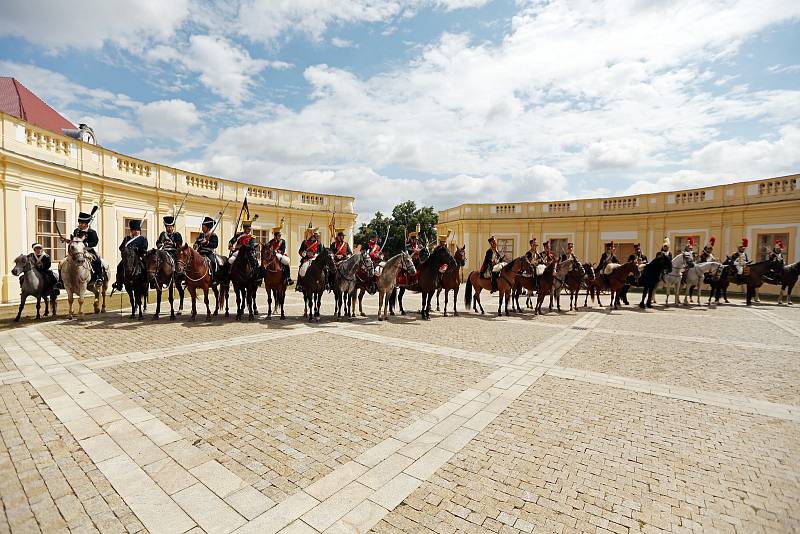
(248, 222)
(135, 224)
(609, 244)
(666, 242)
(711, 241)
(35, 245)
(443, 237)
(208, 221)
(84, 217)
(340, 232)
(169, 220)
(637, 245)
(690, 240)
(492, 239)
(533, 242)
(779, 243)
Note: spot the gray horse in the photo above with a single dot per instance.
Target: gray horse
(76, 272)
(387, 280)
(346, 281)
(33, 284)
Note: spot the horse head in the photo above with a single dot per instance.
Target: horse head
(131, 262)
(152, 262)
(22, 264)
(76, 249)
(407, 263)
(184, 256)
(365, 262)
(461, 256)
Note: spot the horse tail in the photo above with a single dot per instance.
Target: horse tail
(468, 292)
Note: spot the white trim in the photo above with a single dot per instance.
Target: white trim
(71, 201)
(622, 236)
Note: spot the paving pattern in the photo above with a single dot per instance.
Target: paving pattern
(671, 420)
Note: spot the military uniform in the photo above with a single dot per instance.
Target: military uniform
(138, 243)
(777, 252)
(638, 258)
(42, 263)
(309, 249)
(169, 241)
(490, 259)
(664, 249)
(740, 259)
(340, 250)
(244, 242)
(90, 241)
(374, 250)
(607, 257)
(207, 243)
(707, 253)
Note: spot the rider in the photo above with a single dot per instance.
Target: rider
(533, 253)
(206, 244)
(740, 260)
(90, 240)
(491, 259)
(169, 240)
(776, 255)
(41, 262)
(708, 251)
(665, 249)
(608, 256)
(340, 248)
(637, 257)
(570, 253)
(278, 244)
(309, 249)
(417, 252)
(245, 241)
(135, 241)
(374, 249)
(689, 246)
(777, 251)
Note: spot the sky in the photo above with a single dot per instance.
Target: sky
(439, 101)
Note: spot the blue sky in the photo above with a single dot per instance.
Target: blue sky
(440, 101)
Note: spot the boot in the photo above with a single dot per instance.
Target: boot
(118, 282)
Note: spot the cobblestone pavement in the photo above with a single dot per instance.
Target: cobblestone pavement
(684, 419)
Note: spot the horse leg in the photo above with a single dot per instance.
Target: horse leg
(428, 306)
(205, 300)
(446, 291)
(158, 302)
(171, 297)
(438, 291)
(132, 301)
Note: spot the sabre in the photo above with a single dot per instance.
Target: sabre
(386, 237)
(176, 213)
(55, 223)
(219, 216)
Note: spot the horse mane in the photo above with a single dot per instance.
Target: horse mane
(509, 265)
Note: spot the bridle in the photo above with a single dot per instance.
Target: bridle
(153, 274)
(181, 267)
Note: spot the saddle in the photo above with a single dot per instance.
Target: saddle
(405, 279)
(610, 268)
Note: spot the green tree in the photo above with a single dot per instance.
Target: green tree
(404, 219)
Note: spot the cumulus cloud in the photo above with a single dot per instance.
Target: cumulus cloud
(169, 119)
(338, 42)
(90, 24)
(110, 129)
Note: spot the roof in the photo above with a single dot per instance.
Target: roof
(19, 101)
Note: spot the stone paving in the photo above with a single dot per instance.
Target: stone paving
(685, 419)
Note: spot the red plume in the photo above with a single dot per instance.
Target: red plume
(712, 240)
(779, 243)
(691, 241)
(745, 242)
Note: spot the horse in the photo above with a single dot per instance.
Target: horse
(755, 278)
(546, 280)
(560, 279)
(672, 280)
(650, 277)
(786, 279)
(522, 282)
(274, 281)
(451, 280)
(615, 281)
(244, 277)
(574, 281)
(344, 287)
(75, 272)
(428, 280)
(505, 283)
(34, 284)
(315, 282)
(161, 273)
(387, 281)
(196, 271)
(134, 279)
(592, 284)
(695, 277)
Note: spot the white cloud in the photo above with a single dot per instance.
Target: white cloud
(111, 129)
(779, 69)
(89, 24)
(169, 119)
(343, 43)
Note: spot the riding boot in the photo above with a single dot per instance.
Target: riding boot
(120, 275)
(97, 270)
(287, 277)
(494, 282)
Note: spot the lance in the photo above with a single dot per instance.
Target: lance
(219, 217)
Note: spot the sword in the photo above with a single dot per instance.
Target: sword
(219, 217)
(176, 213)
(386, 237)
(55, 222)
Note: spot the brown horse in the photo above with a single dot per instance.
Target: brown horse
(522, 283)
(196, 271)
(505, 283)
(574, 282)
(428, 280)
(244, 277)
(451, 280)
(615, 281)
(546, 281)
(274, 281)
(161, 274)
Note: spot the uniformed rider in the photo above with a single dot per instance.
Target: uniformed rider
(309, 249)
(135, 241)
(707, 253)
(417, 252)
(169, 239)
(664, 249)
(740, 259)
(340, 249)
(637, 257)
(490, 259)
(206, 244)
(569, 254)
(374, 249)
(42, 263)
(244, 242)
(777, 252)
(90, 241)
(278, 244)
(546, 255)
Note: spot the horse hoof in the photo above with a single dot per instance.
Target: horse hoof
(16, 319)
(155, 317)
(642, 306)
(283, 317)
(171, 317)
(455, 314)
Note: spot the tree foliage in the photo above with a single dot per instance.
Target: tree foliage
(404, 218)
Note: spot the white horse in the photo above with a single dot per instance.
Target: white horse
(387, 280)
(76, 274)
(672, 280)
(695, 276)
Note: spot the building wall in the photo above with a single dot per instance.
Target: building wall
(728, 212)
(38, 166)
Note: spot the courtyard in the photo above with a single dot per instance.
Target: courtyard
(679, 419)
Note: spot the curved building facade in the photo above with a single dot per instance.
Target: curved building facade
(38, 166)
(761, 211)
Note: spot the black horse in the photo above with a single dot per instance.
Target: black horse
(651, 275)
(315, 282)
(428, 281)
(134, 280)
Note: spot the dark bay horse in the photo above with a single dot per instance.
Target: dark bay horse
(787, 279)
(574, 282)
(195, 269)
(34, 284)
(428, 280)
(161, 274)
(315, 282)
(755, 277)
(505, 283)
(546, 281)
(274, 281)
(615, 281)
(650, 276)
(244, 277)
(451, 280)
(591, 284)
(134, 279)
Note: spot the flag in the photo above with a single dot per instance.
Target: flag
(332, 226)
(245, 209)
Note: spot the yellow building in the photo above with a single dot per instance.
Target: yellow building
(761, 211)
(38, 166)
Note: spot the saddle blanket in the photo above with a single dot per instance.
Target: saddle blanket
(303, 269)
(282, 258)
(610, 268)
(641, 267)
(540, 269)
(232, 258)
(379, 268)
(497, 268)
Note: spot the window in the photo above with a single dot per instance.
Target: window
(558, 245)
(46, 232)
(764, 244)
(506, 248)
(262, 236)
(193, 237)
(681, 240)
(126, 229)
(624, 251)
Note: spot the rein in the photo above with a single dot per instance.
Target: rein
(182, 265)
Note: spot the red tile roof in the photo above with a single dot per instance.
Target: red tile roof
(17, 100)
